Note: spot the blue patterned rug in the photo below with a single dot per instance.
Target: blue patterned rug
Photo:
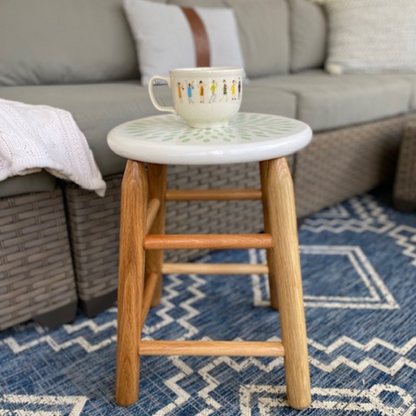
(359, 271)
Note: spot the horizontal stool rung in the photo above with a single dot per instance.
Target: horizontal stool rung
(212, 348)
(213, 194)
(229, 268)
(209, 241)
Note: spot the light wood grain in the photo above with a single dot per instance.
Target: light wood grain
(282, 224)
(154, 259)
(212, 194)
(152, 210)
(131, 281)
(149, 290)
(229, 268)
(270, 258)
(211, 241)
(212, 348)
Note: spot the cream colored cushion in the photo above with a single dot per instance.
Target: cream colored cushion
(371, 36)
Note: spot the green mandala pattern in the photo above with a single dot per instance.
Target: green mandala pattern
(245, 127)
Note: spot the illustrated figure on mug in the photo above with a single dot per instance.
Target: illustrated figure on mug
(224, 91)
(239, 89)
(190, 87)
(213, 88)
(233, 87)
(201, 92)
(180, 89)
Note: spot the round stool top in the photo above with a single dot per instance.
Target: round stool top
(248, 137)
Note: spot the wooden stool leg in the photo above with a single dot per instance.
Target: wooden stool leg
(270, 258)
(154, 258)
(131, 281)
(282, 222)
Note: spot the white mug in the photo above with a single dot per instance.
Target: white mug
(203, 97)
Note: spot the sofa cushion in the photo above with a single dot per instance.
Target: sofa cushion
(410, 79)
(64, 42)
(308, 31)
(264, 35)
(35, 182)
(326, 102)
(263, 26)
(97, 108)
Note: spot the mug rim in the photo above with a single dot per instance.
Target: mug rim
(209, 70)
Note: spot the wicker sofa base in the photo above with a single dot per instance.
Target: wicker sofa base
(342, 163)
(36, 273)
(36, 269)
(405, 181)
(337, 165)
(94, 224)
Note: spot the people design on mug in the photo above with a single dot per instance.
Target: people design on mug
(190, 87)
(224, 91)
(201, 92)
(213, 88)
(180, 89)
(235, 89)
(233, 85)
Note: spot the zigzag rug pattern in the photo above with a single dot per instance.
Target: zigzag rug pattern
(359, 272)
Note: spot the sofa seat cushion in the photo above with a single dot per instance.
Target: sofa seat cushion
(97, 108)
(410, 79)
(326, 101)
(35, 182)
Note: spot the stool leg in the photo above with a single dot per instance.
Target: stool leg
(270, 258)
(131, 281)
(154, 258)
(282, 221)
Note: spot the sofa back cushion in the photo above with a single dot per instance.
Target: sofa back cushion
(263, 27)
(65, 42)
(308, 30)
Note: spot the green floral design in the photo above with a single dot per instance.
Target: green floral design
(245, 127)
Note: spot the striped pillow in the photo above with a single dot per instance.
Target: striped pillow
(169, 37)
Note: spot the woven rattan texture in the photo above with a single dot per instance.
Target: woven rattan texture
(405, 181)
(335, 166)
(94, 222)
(36, 274)
(342, 163)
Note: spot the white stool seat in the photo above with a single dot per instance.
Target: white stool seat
(249, 137)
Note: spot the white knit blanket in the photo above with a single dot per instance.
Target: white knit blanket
(36, 137)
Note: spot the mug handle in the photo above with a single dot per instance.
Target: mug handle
(152, 96)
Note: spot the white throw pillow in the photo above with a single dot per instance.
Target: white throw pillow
(371, 36)
(164, 38)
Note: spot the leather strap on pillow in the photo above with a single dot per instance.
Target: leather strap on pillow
(203, 58)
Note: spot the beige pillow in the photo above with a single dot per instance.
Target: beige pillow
(371, 36)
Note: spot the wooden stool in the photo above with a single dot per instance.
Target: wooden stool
(165, 140)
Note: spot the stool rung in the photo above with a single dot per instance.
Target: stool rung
(229, 268)
(152, 210)
(149, 290)
(213, 194)
(210, 241)
(212, 348)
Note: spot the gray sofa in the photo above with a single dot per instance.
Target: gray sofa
(59, 244)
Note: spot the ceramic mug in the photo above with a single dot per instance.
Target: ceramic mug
(203, 97)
